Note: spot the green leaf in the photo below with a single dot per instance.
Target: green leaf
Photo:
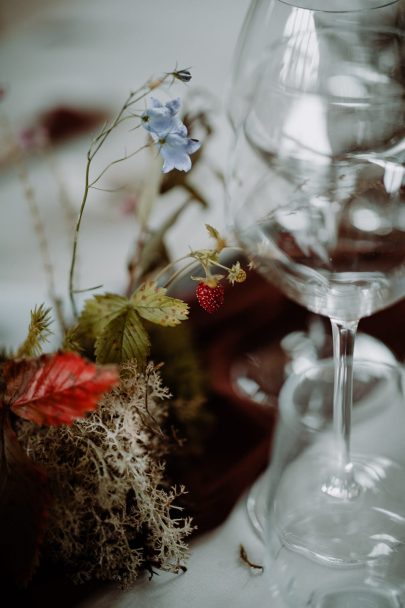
(38, 332)
(98, 312)
(152, 303)
(123, 338)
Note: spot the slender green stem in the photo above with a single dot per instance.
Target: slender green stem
(180, 273)
(38, 224)
(116, 161)
(101, 137)
(218, 265)
(168, 266)
(109, 190)
(97, 143)
(132, 98)
(137, 270)
(76, 237)
(86, 289)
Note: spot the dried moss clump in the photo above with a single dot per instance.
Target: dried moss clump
(113, 512)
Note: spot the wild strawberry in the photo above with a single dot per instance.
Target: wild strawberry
(210, 298)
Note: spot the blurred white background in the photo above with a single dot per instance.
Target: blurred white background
(90, 54)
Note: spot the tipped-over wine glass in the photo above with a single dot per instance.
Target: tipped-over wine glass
(317, 200)
(320, 553)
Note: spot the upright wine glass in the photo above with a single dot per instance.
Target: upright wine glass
(317, 199)
(270, 20)
(267, 21)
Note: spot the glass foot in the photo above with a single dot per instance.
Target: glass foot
(371, 396)
(361, 597)
(340, 532)
(325, 550)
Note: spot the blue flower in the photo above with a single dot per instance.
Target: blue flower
(161, 119)
(170, 134)
(175, 150)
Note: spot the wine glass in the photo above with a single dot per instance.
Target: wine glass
(316, 196)
(269, 20)
(258, 384)
(311, 536)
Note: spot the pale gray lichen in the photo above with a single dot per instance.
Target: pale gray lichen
(113, 511)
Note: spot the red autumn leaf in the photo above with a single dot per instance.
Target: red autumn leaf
(24, 501)
(55, 389)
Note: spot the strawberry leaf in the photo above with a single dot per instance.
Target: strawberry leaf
(55, 389)
(24, 500)
(152, 303)
(98, 312)
(123, 338)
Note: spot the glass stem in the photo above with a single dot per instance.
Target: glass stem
(341, 483)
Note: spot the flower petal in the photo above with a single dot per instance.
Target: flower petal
(193, 145)
(161, 119)
(155, 103)
(174, 105)
(170, 134)
(180, 129)
(174, 153)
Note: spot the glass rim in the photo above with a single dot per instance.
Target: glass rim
(378, 5)
(340, 27)
(332, 32)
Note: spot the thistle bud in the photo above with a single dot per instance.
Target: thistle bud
(183, 75)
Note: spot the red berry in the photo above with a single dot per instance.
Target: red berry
(210, 298)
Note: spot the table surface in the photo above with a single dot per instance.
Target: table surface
(216, 575)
